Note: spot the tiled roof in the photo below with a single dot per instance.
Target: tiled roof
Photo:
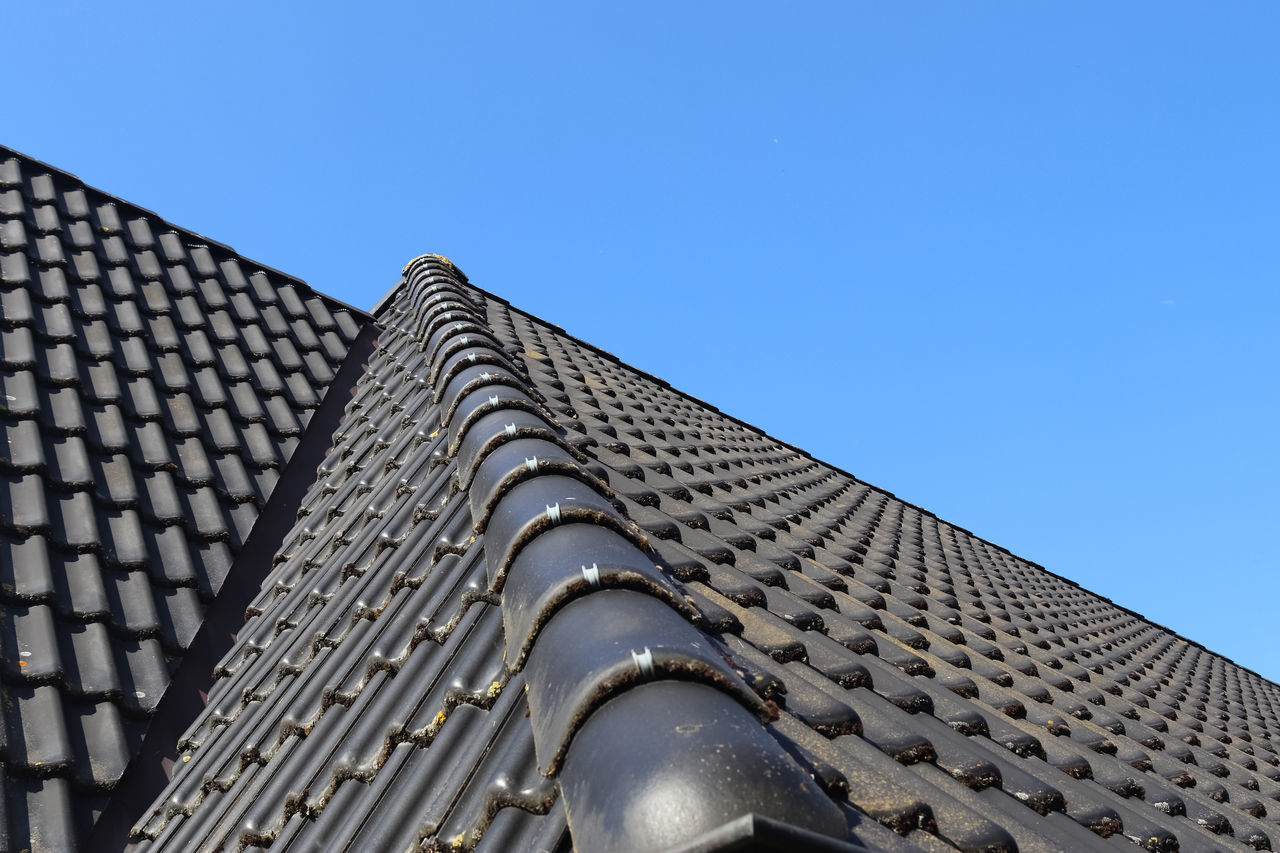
(155, 388)
(517, 596)
(537, 599)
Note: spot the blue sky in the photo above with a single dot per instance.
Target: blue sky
(1016, 263)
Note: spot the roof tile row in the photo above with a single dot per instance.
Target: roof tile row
(153, 391)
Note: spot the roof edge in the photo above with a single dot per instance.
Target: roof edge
(187, 232)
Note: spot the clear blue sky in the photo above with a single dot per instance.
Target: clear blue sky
(1015, 262)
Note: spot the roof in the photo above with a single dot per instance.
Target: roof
(511, 593)
(511, 519)
(156, 386)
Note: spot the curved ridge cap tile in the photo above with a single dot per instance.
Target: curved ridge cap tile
(429, 337)
(469, 356)
(442, 316)
(484, 401)
(454, 337)
(420, 261)
(566, 563)
(435, 304)
(483, 378)
(514, 462)
(603, 644)
(458, 334)
(539, 504)
(695, 759)
(471, 378)
(493, 428)
(423, 265)
(428, 292)
(445, 311)
(430, 273)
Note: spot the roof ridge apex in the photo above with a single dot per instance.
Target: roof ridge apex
(580, 679)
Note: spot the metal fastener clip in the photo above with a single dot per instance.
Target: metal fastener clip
(644, 662)
(592, 575)
(553, 513)
(531, 462)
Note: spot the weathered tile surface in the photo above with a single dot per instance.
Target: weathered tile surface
(155, 384)
(942, 692)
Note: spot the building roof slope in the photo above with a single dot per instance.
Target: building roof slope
(537, 599)
(155, 387)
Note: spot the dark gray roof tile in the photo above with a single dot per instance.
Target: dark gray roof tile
(93, 339)
(81, 234)
(29, 632)
(209, 388)
(11, 203)
(132, 603)
(48, 250)
(17, 348)
(26, 572)
(13, 236)
(38, 739)
(82, 588)
(221, 326)
(123, 543)
(202, 512)
(47, 218)
(14, 270)
(134, 359)
(91, 669)
(106, 429)
(173, 248)
(25, 448)
(22, 501)
(301, 391)
(68, 459)
(115, 250)
(261, 449)
(15, 305)
(255, 341)
(100, 381)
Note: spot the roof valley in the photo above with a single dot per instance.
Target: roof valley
(151, 769)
